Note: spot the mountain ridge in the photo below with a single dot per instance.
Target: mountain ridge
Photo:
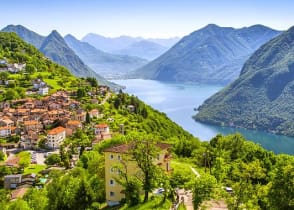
(212, 55)
(262, 96)
(54, 47)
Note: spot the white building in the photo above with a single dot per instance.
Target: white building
(6, 131)
(55, 137)
(43, 91)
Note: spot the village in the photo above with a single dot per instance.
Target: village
(28, 122)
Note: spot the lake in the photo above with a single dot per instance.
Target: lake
(178, 102)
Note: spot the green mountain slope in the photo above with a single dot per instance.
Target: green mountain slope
(54, 47)
(212, 54)
(14, 50)
(110, 65)
(262, 97)
(26, 34)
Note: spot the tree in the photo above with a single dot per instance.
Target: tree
(281, 192)
(70, 191)
(243, 176)
(81, 92)
(36, 198)
(132, 185)
(2, 156)
(53, 159)
(11, 94)
(80, 139)
(203, 188)
(144, 151)
(24, 159)
(4, 198)
(88, 118)
(4, 75)
(30, 68)
(19, 205)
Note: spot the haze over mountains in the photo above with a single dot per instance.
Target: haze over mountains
(262, 97)
(134, 46)
(212, 55)
(106, 64)
(54, 47)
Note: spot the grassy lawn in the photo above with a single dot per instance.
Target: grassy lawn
(153, 203)
(179, 165)
(34, 168)
(53, 83)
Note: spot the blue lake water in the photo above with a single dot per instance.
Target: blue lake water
(178, 102)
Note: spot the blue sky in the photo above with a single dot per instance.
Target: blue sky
(150, 18)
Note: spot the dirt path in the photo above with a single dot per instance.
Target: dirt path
(195, 172)
(106, 98)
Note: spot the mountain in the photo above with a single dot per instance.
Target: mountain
(26, 34)
(262, 97)
(54, 47)
(133, 46)
(144, 49)
(110, 65)
(167, 42)
(212, 54)
(108, 44)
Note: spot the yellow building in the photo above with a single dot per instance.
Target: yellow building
(120, 156)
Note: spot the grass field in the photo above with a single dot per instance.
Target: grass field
(34, 168)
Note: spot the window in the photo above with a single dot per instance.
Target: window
(118, 157)
(111, 182)
(111, 193)
(111, 156)
(118, 171)
(112, 169)
(158, 156)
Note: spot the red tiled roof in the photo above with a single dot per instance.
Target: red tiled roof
(32, 122)
(73, 122)
(12, 161)
(101, 126)
(57, 130)
(7, 128)
(124, 148)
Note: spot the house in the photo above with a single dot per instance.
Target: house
(72, 126)
(22, 112)
(54, 106)
(13, 162)
(102, 132)
(32, 125)
(6, 131)
(3, 62)
(94, 113)
(38, 83)
(120, 156)
(80, 115)
(29, 105)
(131, 108)
(5, 105)
(16, 67)
(55, 137)
(43, 91)
(14, 181)
(5, 121)
(29, 141)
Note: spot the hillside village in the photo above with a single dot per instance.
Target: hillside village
(32, 118)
